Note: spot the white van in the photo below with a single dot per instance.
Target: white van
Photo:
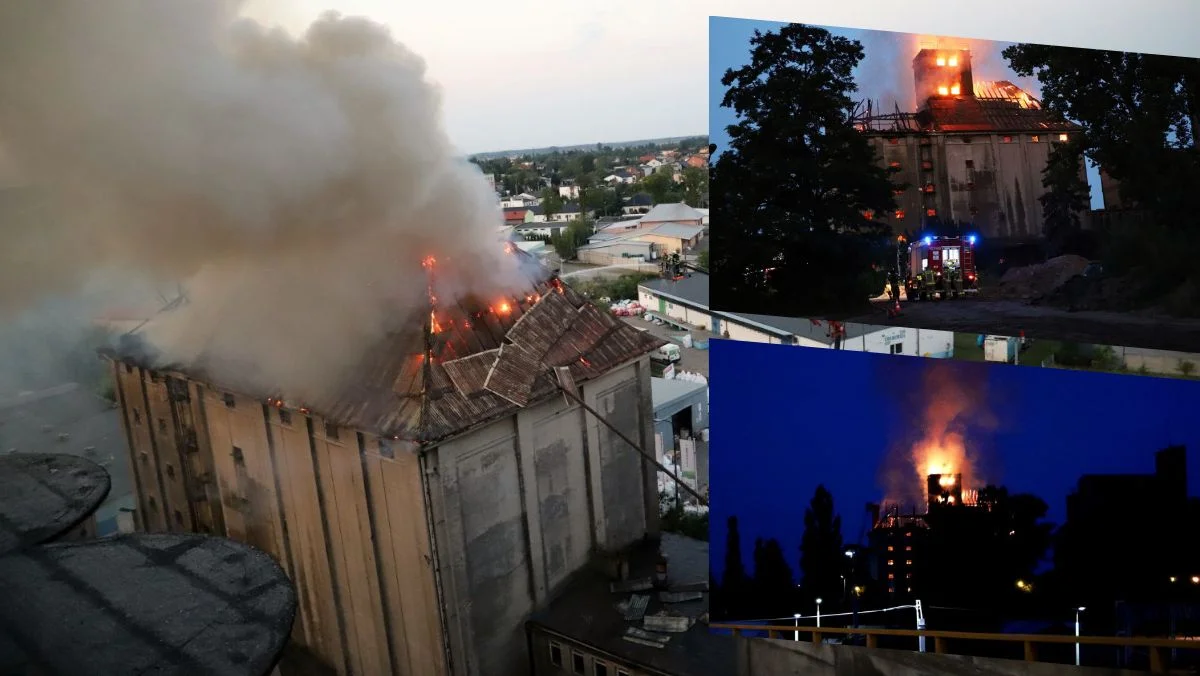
(669, 353)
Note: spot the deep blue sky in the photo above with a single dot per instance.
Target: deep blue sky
(884, 75)
(787, 419)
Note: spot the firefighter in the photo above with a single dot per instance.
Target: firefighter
(893, 281)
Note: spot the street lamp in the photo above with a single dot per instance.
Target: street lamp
(843, 588)
(818, 612)
(1078, 610)
(796, 617)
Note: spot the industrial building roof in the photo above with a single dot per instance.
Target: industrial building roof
(969, 114)
(586, 612)
(478, 362)
(675, 211)
(691, 289)
(667, 393)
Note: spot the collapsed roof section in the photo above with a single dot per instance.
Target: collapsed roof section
(456, 365)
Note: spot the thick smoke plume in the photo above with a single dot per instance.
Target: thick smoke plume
(293, 185)
(954, 416)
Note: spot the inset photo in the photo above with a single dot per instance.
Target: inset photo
(956, 184)
(858, 493)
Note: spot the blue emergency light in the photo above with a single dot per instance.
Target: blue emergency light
(928, 241)
(971, 239)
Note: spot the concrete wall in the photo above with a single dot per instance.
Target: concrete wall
(519, 505)
(899, 340)
(1002, 187)
(698, 318)
(764, 657)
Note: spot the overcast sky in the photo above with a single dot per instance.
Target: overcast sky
(531, 73)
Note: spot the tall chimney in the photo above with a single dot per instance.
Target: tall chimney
(944, 490)
(942, 73)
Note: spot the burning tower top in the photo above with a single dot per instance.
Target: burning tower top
(942, 72)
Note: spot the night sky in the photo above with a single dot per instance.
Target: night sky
(787, 419)
(884, 75)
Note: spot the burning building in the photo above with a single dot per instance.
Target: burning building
(427, 506)
(972, 154)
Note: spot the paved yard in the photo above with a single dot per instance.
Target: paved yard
(692, 359)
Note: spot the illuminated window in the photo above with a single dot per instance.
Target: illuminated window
(928, 187)
(908, 575)
(908, 548)
(910, 590)
(943, 91)
(908, 534)
(868, 214)
(931, 212)
(891, 562)
(890, 548)
(941, 61)
(1035, 139)
(1062, 137)
(898, 191)
(908, 562)
(953, 61)
(891, 590)
(1006, 139)
(955, 90)
(900, 213)
(556, 655)
(891, 576)
(894, 166)
(927, 166)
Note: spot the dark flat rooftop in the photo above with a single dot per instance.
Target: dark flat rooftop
(141, 604)
(587, 612)
(42, 496)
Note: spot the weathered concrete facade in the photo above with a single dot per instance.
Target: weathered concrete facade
(991, 180)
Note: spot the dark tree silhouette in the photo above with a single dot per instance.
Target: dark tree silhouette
(792, 188)
(821, 550)
(774, 583)
(735, 586)
(1065, 200)
(1140, 114)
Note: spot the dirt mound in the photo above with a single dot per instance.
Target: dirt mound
(1035, 281)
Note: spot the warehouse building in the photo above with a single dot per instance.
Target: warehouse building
(428, 508)
(684, 302)
(681, 427)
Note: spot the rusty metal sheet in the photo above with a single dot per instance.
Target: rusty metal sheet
(513, 373)
(469, 374)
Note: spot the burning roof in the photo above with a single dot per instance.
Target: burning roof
(448, 367)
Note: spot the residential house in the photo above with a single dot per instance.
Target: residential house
(637, 204)
(517, 215)
(653, 164)
(624, 175)
(698, 161)
(522, 200)
(645, 158)
(570, 212)
(623, 240)
(540, 229)
(568, 191)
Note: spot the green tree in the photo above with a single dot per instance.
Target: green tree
(1066, 197)
(695, 186)
(774, 584)
(821, 547)
(567, 241)
(702, 260)
(661, 187)
(796, 180)
(735, 583)
(552, 203)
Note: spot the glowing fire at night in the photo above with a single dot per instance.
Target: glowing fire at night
(503, 308)
(428, 262)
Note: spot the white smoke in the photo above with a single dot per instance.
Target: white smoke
(295, 184)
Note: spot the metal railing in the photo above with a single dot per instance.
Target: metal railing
(941, 639)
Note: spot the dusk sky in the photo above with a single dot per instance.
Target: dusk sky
(849, 420)
(883, 76)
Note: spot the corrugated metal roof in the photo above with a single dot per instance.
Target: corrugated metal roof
(677, 211)
(484, 362)
(970, 114)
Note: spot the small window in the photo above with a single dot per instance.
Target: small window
(1035, 139)
(145, 458)
(966, 139)
(578, 663)
(152, 502)
(178, 518)
(230, 402)
(868, 214)
(239, 458)
(931, 212)
(890, 548)
(556, 654)
(928, 187)
(894, 141)
(1062, 137)
(331, 431)
(970, 164)
(170, 471)
(900, 214)
(898, 348)
(385, 449)
(1006, 139)
(908, 563)
(970, 185)
(891, 576)
(908, 548)
(600, 669)
(894, 165)
(162, 425)
(908, 534)
(285, 417)
(898, 191)
(891, 562)
(154, 377)
(137, 417)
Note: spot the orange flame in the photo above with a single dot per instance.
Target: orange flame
(503, 308)
(428, 262)
(434, 326)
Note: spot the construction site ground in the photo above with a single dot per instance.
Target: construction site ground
(1011, 317)
(691, 359)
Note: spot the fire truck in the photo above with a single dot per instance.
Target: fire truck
(936, 268)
